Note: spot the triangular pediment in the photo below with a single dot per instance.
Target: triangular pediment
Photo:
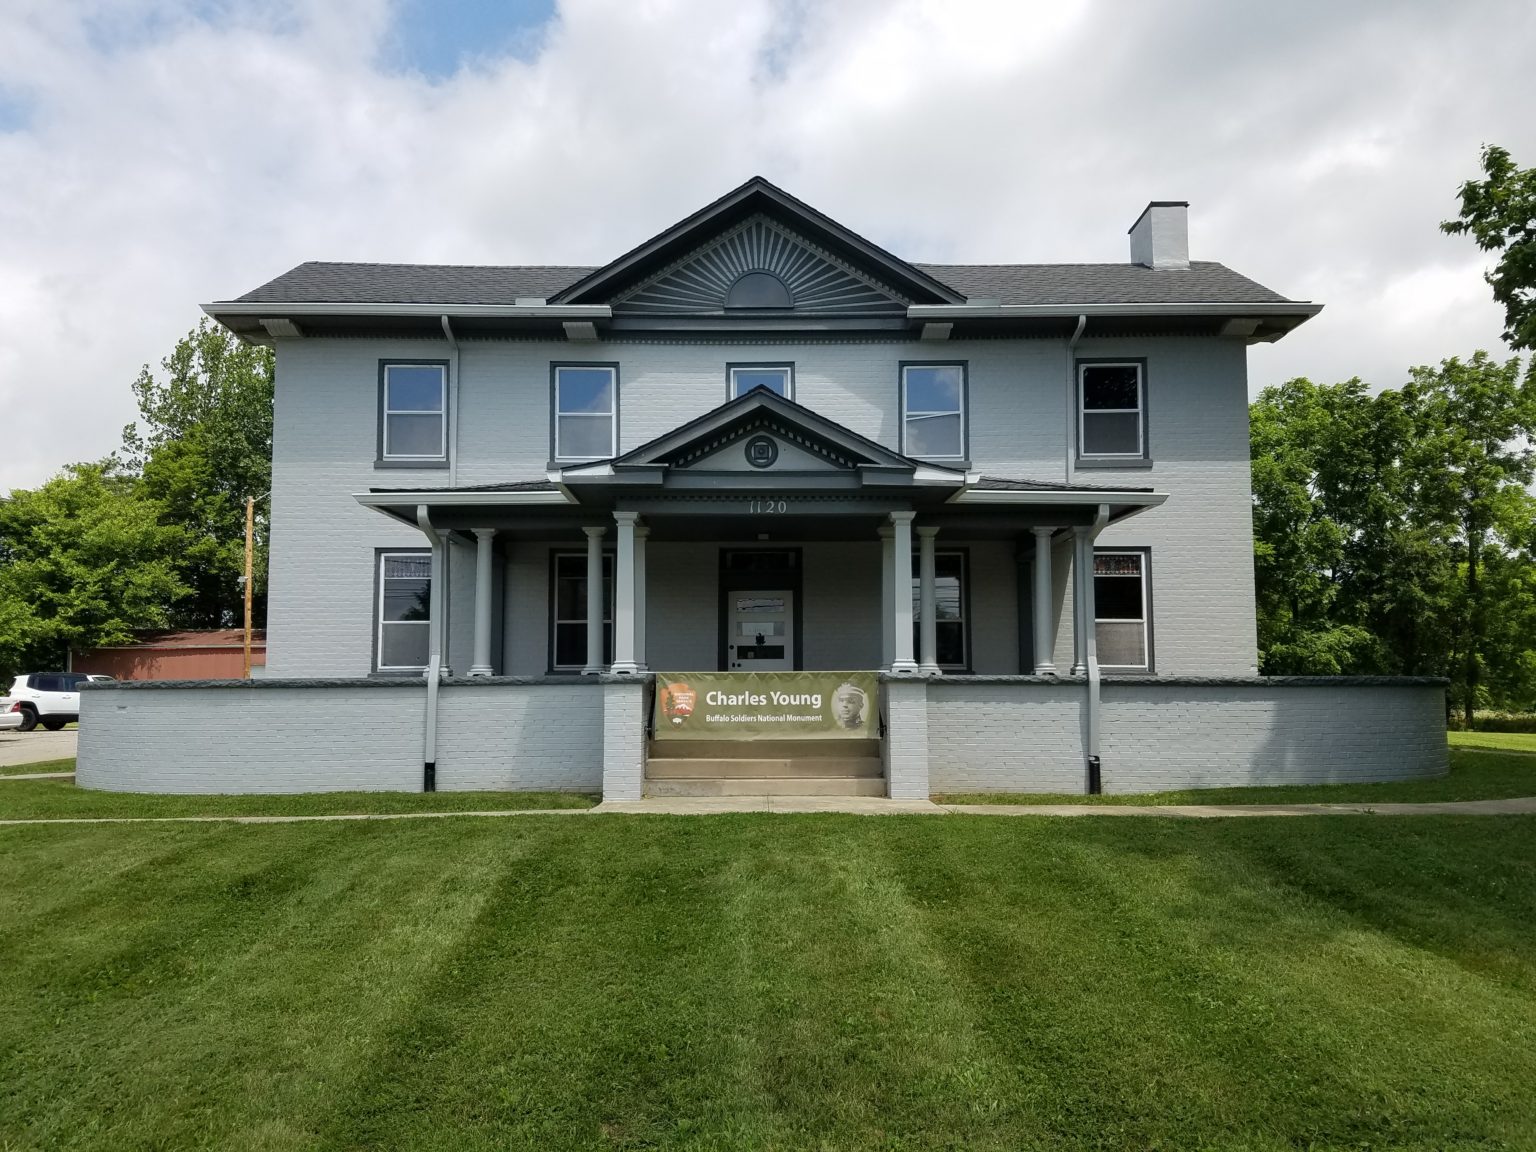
(761, 266)
(823, 267)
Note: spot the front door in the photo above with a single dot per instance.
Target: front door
(761, 637)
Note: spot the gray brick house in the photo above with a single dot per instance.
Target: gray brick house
(759, 442)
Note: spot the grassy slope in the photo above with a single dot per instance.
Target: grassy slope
(1504, 741)
(771, 982)
(1475, 774)
(44, 799)
(39, 766)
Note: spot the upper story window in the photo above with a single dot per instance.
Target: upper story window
(1112, 411)
(586, 411)
(777, 378)
(933, 422)
(404, 611)
(413, 412)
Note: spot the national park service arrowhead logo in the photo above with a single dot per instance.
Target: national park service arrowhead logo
(677, 702)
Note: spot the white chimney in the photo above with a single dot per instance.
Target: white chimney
(1160, 236)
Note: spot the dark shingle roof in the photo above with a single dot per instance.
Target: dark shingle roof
(318, 282)
(1203, 282)
(503, 486)
(997, 484)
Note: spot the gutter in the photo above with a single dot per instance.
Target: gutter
(453, 403)
(1091, 660)
(1071, 408)
(435, 652)
(426, 311)
(942, 312)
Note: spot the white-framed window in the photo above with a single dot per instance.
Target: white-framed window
(777, 378)
(1121, 620)
(413, 420)
(1111, 410)
(404, 611)
(933, 411)
(568, 630)
(586, 411)
(950, 597)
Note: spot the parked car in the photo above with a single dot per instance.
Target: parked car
(8, 719)
(51, 699)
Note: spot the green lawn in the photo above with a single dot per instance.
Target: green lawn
(1504, 741)
(1476, 774)
(40, 766)
(43, 799)
(784, 982)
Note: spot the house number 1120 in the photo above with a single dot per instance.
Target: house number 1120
(768, 506)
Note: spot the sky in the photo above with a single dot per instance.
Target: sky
(160, 154)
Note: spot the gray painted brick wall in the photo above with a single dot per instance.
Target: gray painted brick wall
(624, 739)
(1030, 737)
(339, 739)
(321, 580)
(907, 743)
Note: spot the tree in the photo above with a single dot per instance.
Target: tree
(84, 561)
(1500, 214)
(1471, 461)
(203, 444)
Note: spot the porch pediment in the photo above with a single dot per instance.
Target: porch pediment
(758, 435)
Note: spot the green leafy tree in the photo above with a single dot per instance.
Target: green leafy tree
(203, 444)
(1472, 462)
(1499, 212)
(84, 561)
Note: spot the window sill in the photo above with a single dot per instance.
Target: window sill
(1089, 462)
(399, 674)
(387, 463)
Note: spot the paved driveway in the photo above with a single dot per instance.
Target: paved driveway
(31, 747)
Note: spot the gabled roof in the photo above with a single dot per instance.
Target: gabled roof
(755, 196)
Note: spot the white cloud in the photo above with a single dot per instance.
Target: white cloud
(177, 151)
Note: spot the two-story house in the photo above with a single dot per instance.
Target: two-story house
(759, 442)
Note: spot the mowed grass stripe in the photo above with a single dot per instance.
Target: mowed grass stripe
(774, 982)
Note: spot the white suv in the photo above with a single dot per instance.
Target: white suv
(51, 699)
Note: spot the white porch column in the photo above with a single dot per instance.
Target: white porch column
(595, 603)
(887, 595)
(624, 595)
(928, 630)
(483, 557)
(641, 532)
(901, 600)
(1082, 548)
(1045, 664)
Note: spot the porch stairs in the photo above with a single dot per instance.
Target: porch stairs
(764, 768)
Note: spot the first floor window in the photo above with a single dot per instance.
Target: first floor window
(586, 411)
(404, 610)
(777, 378)
(1111, 410)
(1121, 622)
(933, 411)
(949, 595)
(569, 642)
(415, 420)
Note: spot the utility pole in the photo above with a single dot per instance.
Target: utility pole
(250, 540)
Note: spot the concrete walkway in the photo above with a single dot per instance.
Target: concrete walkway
(864, 806)
(38, 776)
(32, 747)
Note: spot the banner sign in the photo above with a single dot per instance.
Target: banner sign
(766, 705)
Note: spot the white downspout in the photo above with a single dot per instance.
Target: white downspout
(434, 652)
(1071, 420)
(1091, 654)
(453, 403)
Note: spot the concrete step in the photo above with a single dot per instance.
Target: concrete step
(769, 786)
(697, 767)
(762, 749)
